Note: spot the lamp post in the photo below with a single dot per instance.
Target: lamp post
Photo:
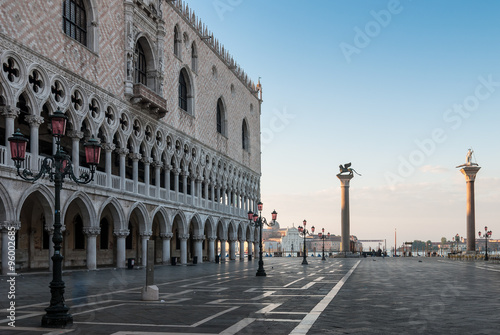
(304, 232)
(487, 234)
(56, 167)
(258, 221)
(323, 237)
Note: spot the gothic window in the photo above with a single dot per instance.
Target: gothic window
(221, 117)
(177, 41)
(194, 58)
(244, 136)
(140, 65)
(75, 20)
(182, 92)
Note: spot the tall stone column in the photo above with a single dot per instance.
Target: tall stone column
(470, 176)
(176, 186)
(242, 249)
(256, 247)
(232, 249)
(183, 238)
(344, 205)
(211, 248)
(144, 246)
(166, 247)
(157, 165)
(5, 228)
(123, 152)
(198, 247)
(91, 233)
(121, 235)
(108, 148)
(75, 136)
(168, 167)
(147, 163)
(34, 122)
(10, 114)
(222, 251)
(135, 170)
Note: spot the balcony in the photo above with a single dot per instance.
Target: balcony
(149, 101)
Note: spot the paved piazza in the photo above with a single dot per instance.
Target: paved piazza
(336, 296)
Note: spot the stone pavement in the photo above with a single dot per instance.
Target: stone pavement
(337, 296)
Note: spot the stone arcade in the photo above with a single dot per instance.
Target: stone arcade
(178, 120)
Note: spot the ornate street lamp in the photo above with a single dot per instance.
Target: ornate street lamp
(323, 237)
(304, 232)
(56, 167)
(487, 234)
(258, 221)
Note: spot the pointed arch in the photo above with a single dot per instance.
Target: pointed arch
(86, 207)
(143, 218)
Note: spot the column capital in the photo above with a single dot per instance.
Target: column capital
(9, 112)
(75, 134)
(122, 151)
(146, 234)
(345, 179)
(183, 236)
(121, 233)
(470, 172)
(198, 237)
(10, 224)
(166, 236)
(34, 120)
(147, 160)
(212, 238)
(91, 231)
(157, 164)
(108, 146)
(135, 156)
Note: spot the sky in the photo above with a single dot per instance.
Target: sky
(402, 89)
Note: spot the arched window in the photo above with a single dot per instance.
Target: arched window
(245, 140)
(140, 65)
(185, 92)
(177, 41)
(221, 117)
(194, 58)
(75, 20)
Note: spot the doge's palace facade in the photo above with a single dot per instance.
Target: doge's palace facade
(178, 120)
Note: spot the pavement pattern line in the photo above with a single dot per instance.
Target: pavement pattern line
(307, 322)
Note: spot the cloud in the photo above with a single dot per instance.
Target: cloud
(433, 169)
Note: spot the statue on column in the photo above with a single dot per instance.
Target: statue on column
(346, 168)
(468, 159)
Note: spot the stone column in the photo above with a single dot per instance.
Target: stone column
(198, 247)
(344, 215)
(123, 155)
(470, 176)
(166, 247)
(242, 249)
(75, 136)
(10, 114)
(144, 246)
(135, 170)
(108, 148)
(34, 122)
(232, 249)
(199, 179)
(250, 247)
(168, 168)
(120, 247)
(176, 186)
(256, 248)
(8, 231)
(157, 165)
(184, 238)
(184, 175)
(147, 163)
(222, 251)
(91, 233)
(211, 248)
